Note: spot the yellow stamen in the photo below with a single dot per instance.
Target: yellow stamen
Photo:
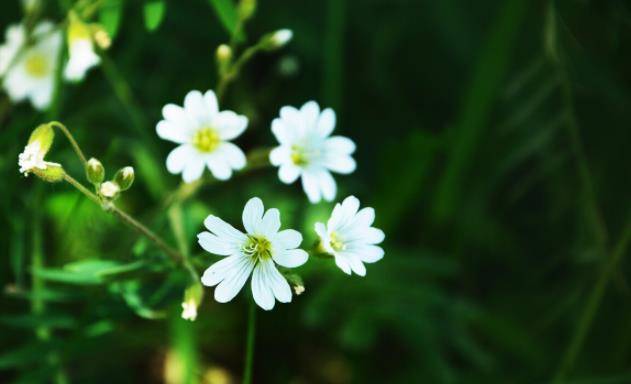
(206, 140)
(36, 65)
(336, 242)
(258, 248)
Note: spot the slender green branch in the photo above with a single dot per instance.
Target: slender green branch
(249, 347)
(127, 219)
(71, 139)
(233, 71)
(591, 307)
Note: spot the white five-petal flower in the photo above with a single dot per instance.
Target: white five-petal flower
(259, 250)
(31, 158)
(350, 237)
(308, 151)
(203, 133)
(28, 71)
(81, 50)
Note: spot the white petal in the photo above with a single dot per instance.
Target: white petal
(311, 186)
(261, 290)
(216, 245)
(288, 173)
(283, 133)
(327, 185)
(211, 102)
(369, 253)
(234, 281)
(43, 95)
(233, 155)
(356, 265)
(291, 117)
(343, 213)
(168, 131)
(343, 264)
(364, 218)
(270, 224)
(218, 166)
(339, 163)
(224, 230)
(252, 214)
(229, 125)
(290, 258)
(310, 112)
(193, 170)
(280, 155)
(320, 229)
(339, 145)
(214, 274)
(178, 116)
(326, 122)
(179, 157)
(279, 285)
(196, 106)
(289, 238)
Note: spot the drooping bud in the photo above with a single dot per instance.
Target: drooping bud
(276, 40)
(192, 299)
(44, 134)
(52, 173)
(296, 282)
(247, 9)
(39, 143)
(124, 178)
(109, 190)
(94, 171)
(224, 57)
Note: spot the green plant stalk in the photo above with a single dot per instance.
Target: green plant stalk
(591, 307)
(234, 69)
(127, 219)
(249, 346)
(73, 142)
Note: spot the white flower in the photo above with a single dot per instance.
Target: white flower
(29, 71)
(259, 250)
(350, 237)
(203, 133)
(109, 189)
(81, 51)
(189, 310)
(282, 37)
(307, 151)
(31, 158)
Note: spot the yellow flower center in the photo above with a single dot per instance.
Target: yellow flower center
(336, 242)
(258, 248)
(206, 140)
(36, 65)
(298, 156)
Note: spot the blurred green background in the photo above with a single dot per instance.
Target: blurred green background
(493, 141)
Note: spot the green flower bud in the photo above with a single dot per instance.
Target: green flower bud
(192, 299)
(247, 9)
(52, 173)
(124, 178)
(224, 57)
(296, 282)
(276, 40)
(94, 171)
(109, 190)
(44, 134)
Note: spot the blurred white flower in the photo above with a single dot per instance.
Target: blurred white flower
(307, 151)
(350, 237)
(29, 70)
(81, 50)
(259, 250)
(282, 37)
(109, 189)
(189, 310)
(203, 133)
(32, 158)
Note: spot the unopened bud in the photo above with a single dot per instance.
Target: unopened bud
(100, 36)
(247, 9)
(94, 171)
(296, 282)
(192, 299)
(224, 53)
(44, 134)
(52, 173)
(124, 178)
(109, 190)
(276, 39)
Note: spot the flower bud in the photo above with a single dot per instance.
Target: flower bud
(223, 54)
(124, 178)
(100, 36)
(109, 190)
(52, 173)
(192, 299)
(94, 171)
(275, 40)
(44, 134)
(296, 282)
(247, 9)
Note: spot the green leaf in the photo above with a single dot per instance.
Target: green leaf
(154, 14)
(34, 321)
(110, 16)
(227, 13)
(90, 272)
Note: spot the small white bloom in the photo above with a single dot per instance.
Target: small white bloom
(259, 250)
(203, 133)
(282, 37)
(350, 237)
(29, 71)
(31, 158)
(109, 189)
(189, 310)
(308, 151)
(81, 51)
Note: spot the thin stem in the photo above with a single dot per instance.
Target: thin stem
(591, 307)
(233, 71)
(127, 219)
(71, 139)
(249, 347)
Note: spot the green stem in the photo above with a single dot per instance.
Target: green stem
(127, 219)
(249, 347)
(591, 307)
(71, 139)
(233, 71)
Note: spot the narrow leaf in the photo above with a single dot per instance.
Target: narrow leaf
(154, 14)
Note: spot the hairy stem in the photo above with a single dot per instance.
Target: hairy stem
(249, 346)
